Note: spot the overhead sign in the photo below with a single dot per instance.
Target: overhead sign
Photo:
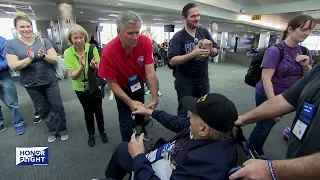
(256, 17)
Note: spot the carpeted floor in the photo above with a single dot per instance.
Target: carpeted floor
(75, 160)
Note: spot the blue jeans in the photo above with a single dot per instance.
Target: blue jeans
(8, 94)
(185, 89)
(262, 129)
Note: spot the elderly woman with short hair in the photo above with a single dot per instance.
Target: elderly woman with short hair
(77, 64)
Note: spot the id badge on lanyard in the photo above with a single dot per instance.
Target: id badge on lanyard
(304, 121)
(134, 83)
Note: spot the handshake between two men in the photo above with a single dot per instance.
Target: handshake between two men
(136, 105)
(136, 145)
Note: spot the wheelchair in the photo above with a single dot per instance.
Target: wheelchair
(245, 151)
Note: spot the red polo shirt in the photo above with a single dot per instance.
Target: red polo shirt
(116, 63)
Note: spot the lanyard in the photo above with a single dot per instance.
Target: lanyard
(84, 72)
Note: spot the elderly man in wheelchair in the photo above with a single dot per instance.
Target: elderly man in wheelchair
(204, 147)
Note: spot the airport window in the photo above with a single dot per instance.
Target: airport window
(312, 43)
(109, 32)
(106, 33)
(157, 34)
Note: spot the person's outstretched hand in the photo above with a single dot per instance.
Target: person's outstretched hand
(143, 111)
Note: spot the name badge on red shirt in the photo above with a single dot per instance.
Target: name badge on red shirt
(134, 83)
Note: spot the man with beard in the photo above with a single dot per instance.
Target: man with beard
(125, 63)
(188, 56)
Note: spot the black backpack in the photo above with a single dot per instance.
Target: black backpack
(254, 72)
(183, 35)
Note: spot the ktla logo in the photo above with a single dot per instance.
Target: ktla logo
(32, 156)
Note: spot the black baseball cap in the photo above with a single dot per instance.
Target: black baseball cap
(214, 109)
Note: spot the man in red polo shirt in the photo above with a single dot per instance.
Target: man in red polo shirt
(125, 62)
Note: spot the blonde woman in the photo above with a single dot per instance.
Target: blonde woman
(35, 61)
(78, 67)
(146, 33)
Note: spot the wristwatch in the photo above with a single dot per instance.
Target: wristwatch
(43, 56)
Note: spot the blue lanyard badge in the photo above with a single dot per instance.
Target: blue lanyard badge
(305, 119)
(134, 83)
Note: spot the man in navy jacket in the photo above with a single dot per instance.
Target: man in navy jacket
(204, 147)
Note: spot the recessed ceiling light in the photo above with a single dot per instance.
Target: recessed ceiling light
(157, 19)
(120, 4)
(249, 31)
(108, 3)
(94, 21)
(177, 21)
(113, 15)
(7, 5)
(81, 12)
(11, 12)
(103, 19)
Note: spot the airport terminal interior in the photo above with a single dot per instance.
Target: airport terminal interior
(237, 26)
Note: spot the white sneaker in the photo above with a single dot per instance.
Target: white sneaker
(64, 137)
(147, 92)
(51, 139)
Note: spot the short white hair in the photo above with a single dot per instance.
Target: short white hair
(130, 17)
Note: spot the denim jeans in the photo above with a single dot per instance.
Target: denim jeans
(125, 119)
(8, 94)
(262, 129)
(48, 103)
(185, 89)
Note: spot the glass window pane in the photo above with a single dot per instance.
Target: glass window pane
(143, 28)
(157, 34)
(312, 43)
(7, 28)
(106, 33)
(114, 31)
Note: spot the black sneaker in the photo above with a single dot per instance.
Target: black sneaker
(91, 141)
(37, 119)
(104, 137)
